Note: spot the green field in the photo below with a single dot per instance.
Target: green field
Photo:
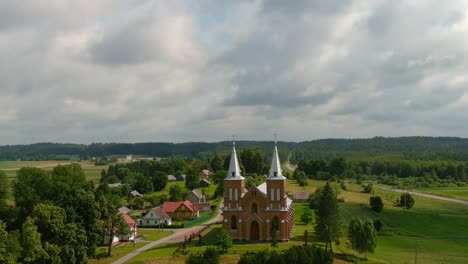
(439, 231)
(92, 172)
(454, 192)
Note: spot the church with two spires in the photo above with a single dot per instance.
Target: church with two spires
(263, 210)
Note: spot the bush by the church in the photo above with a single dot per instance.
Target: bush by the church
(210, 256)
(293, 255)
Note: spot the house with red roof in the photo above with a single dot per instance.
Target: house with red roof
(118, 236)
(132, 228)
(181, 210)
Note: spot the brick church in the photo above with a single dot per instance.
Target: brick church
(256, 213)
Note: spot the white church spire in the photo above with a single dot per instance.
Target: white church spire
(234, 172)
(275, 170)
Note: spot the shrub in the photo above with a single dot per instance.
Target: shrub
(211, 256)
(343, 185)
(368, 188)
(376, 204)
(194, 259)
(378, 225)
(224, 241)
(293, 255)
(306, 216)
(406, 200)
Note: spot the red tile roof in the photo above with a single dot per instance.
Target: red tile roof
(170, 207)
(130, 222)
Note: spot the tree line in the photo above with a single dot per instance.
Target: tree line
(201, 150)
(349, 168)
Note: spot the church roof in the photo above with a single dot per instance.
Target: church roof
(275, 170)
(234, 172)
(262, 188)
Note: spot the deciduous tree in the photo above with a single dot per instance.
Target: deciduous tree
(376, 203)
(159, 179)
(406, 200)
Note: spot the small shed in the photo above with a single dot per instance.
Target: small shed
(171, 178)
(301, 197)
(134, 194)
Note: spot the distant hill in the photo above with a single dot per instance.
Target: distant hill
(428, 148)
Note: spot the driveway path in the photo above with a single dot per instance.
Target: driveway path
(177, 236)
(451, 200)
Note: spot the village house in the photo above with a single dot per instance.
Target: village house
(171, 178)
(196, 196)
(205, 174)
(181, 210)
(204, 183)
(119, 236)
(155, 217)
(257, 213)
(198, 199)
(132, 228)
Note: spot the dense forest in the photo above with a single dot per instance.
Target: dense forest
(409, 148)
(57, 151)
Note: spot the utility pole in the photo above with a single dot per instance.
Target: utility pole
(416, 256)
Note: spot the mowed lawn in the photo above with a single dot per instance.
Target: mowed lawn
(437, 230)
(92, 172)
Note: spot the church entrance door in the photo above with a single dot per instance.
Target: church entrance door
(254, 231)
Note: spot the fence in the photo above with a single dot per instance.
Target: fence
(197, 221)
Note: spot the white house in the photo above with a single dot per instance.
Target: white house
(154, 217)
(132, 227)
(118, 237)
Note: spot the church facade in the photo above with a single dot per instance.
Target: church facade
(263, 210)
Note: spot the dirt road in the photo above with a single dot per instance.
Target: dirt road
(451, 200)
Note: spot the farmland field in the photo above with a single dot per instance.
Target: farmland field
(92, 172)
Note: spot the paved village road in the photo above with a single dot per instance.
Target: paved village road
(177, 236)
(451, 200)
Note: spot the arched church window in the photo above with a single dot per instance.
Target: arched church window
(233, 222)
(254, 208)
(275, 224)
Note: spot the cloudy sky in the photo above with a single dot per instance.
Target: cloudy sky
(137, 71)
